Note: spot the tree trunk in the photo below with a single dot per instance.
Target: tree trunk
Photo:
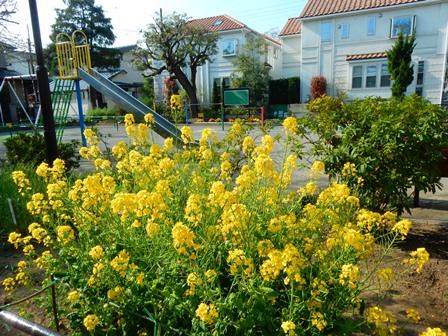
(190, 90)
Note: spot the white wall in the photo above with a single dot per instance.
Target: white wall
(329, 58)
(291, 55)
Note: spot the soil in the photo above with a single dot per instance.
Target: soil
(425, 292)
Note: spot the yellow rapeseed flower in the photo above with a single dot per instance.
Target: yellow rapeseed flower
(149, 119)
(207, 313)
(21, 180)
(91, 321)
(290, 126)
(9, 284)
(420, 256)
(289, 327)
(386, 274)
(402, 227)
(413, 315)
(73, 296)
(129, 119)
(15, 238)
(433, 332)
(65, 234)
(96, 252)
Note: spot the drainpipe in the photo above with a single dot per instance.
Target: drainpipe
(445, 67)
(25, 325)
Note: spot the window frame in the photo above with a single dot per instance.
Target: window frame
(384, 76)
(371, 79)
(345, 30)
(327, 28)
(397, 22)
(229, 47)
(362, 80)
(420, 78)
(371, 25)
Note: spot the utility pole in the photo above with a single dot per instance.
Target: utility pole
(30, 51)
(44, 89)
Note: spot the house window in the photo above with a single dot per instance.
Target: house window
(371, 23)
(357, 77)
(344, 30)
(325, 31)
(371, 76)
(420, 74)
(385, 76)
(229, 47)
(405, 24)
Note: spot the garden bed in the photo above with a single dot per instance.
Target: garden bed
(426, 292)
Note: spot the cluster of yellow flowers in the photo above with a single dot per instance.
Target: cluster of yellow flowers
(420, 256)
(207, 312)
(385, 322)
(22, 181)
(186, 217)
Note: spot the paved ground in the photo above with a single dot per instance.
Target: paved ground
(433, 207)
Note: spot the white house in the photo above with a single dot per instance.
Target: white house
(346, 41)
(232, 36)
(291, 37)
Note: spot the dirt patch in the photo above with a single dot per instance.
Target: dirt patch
(425, 292)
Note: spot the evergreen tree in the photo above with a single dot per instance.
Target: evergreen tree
(215, 97)
(400, 64)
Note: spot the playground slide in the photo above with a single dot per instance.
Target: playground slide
(131, 104)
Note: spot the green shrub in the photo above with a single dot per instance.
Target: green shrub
(103, 112)
(8, 190)
(390, 145)
(29, 148)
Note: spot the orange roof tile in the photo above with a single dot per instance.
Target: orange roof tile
(225, 23)
(293, 26)
(366, 56)
(326, 7)
(218, 23)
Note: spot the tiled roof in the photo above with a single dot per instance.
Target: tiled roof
(326, 7)
(292, 27)
(366, 56)
(270, 38)
(218, 23)
(225, 23)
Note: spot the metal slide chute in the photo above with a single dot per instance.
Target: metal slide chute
(129, 103)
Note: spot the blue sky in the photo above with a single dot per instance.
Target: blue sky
(129, 17)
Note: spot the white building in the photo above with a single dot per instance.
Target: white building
(232, 37)
(346, 41)
(291, 37)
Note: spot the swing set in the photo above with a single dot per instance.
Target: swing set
(29, 99)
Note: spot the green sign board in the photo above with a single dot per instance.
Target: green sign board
(236, 97)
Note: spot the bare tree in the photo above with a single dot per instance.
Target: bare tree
(8, 39)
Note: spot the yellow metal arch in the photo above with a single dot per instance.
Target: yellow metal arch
(72, 56)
